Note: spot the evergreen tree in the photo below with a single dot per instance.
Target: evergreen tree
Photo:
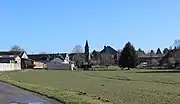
(158, 51)
(140, 51)
(128, 57)
(175, 48)
(166, 50)
(170, 48)
(152, 52)
(95, 54)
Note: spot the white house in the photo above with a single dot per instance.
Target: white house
(66, 60)
(59, 63)
(10, 61)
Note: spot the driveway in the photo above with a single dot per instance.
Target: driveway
(9, 94)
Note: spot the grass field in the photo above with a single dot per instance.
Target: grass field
(119, 87)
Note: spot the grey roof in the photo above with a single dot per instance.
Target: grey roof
(56, 60)
(148, 55)
(45, 57)
(16, 53)
(109, 49)
(8, 56)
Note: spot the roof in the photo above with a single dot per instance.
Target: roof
(45, 57)
(56, 60)
(7, 57)
(151, 56)
(16, 53)
(109, 49)
(38, 57)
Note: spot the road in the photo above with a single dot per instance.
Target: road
(9, 93)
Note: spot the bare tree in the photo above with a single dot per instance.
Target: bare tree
(170, 48)
(166, 50)
(95, 57)
(78, 59)
(171, 62)
(16, 48)
(77, 49)
(177, 44)
(151, 53)
(154, 63)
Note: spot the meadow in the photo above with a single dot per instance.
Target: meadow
(117, 87)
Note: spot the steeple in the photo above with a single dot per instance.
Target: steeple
(86, 47)
(87, 55)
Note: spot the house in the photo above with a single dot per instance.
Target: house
(108, 56)
(57, 64)
(109, 49)
(43, 61)
(13, 60)
(10, 63)
(39, 60)
(150, 59)
(60, 63)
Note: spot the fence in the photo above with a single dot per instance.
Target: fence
(10, 66)
(58, 66)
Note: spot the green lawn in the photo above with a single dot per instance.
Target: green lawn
(119, 87)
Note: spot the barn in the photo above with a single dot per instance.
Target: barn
(13, 60)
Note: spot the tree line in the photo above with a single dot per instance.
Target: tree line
(158, 51)
(129, 56)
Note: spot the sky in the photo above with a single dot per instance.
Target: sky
(59, 25)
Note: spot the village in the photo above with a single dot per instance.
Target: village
(90, 52)
(17, 60)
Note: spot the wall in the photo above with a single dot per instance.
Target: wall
(18, 60)
(39, 65)
(10, 66)
(57, 66)
(107, 59)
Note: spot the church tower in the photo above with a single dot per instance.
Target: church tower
(87, 55)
